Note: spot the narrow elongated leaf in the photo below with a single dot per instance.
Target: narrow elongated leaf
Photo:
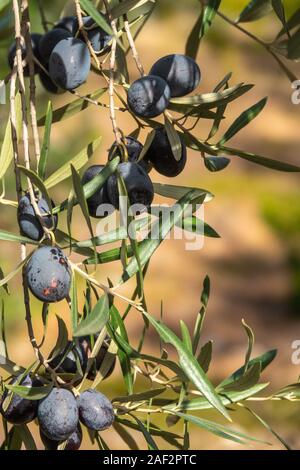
(195, 225)
(78, 162)
(193, 41)
(74, 302)
(149, 439)
(127, 6)
(14, 440)
(96, 320)
(243, 120)
(186, 337)
(154, 430)
(210, 11)
(26, 437)
(206, 291)
(177, 192)
(6, 154)
(30, 393)
(294, 46)
(139, 396)
(250, 336)
(217, 429)
(112, 236)
(36, 180)
(174, 139)
(11, 237)
(148, 142)
(278, 7)
(230, 397)
(70, 109)
(9, 276)
(62, 338)
(118, 325)
(126, 436)
(292, 22)
(264, 360)
(160, 230)
(92, 186)
(223, 83)
(88, 6)
(268, 427)
(259, 160)
(46, 142)
(255, 10)
(205, 355)
(190, 224)
(190, 366)
(212, 100)
(79, 193)
(246, 381)
(215, 164)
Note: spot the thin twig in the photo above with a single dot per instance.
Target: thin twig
(84, 33)
(133, 48)
(43, 17)
(112, 65)
(19, 70)
(30, 61)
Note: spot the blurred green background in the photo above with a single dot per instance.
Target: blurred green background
(255, 266)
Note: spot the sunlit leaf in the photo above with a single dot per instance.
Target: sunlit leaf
(210, 10)
(255, 10)
(243, 120)
(95, 320)
(46, 143)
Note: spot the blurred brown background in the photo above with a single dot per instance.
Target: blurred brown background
(254, 267)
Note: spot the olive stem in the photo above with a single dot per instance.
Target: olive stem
(18, 71)
(133, 48)
(84, 33)
(30, 61)
(112, 64)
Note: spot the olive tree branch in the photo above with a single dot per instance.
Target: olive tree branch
(111, 75)
(132, 46)
(18, 71)
(266, 46)
(30, 61)
(84, 33)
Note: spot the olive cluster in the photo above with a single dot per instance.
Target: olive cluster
(63, 54)
(48, 270)
(59, 414)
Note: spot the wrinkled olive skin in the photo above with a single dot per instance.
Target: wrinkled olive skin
(149, 96)
(48, 274)
(58, 414)
(73, 442)
(20, 410)
(95, 410)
